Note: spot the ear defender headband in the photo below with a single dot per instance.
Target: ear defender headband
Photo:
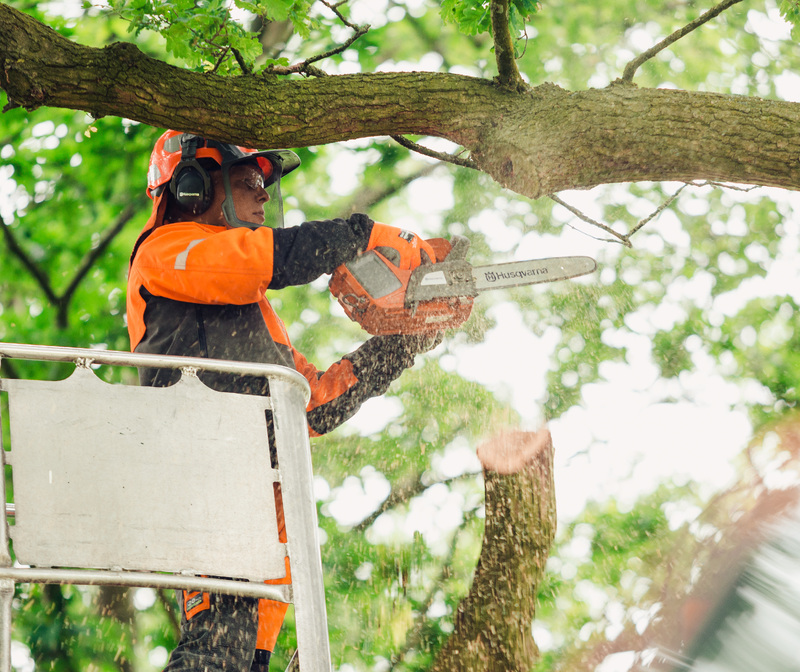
(191, 184)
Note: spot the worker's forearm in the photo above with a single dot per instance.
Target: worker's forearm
(303, 253)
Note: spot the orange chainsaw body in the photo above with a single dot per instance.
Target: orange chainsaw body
(373, 292)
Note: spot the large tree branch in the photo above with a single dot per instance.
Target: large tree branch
(536, 143)
(493, 624)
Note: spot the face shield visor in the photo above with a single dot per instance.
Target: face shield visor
(273, 164)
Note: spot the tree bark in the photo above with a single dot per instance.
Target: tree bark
(535, 142)
(493, 624)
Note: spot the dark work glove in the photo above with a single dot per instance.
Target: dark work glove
(419, 343)
(383, 358)
(376, 364)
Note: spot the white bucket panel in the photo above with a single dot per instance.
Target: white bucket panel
(181, 504)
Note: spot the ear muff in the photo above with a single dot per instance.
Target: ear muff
(192, 187)
(191, 184)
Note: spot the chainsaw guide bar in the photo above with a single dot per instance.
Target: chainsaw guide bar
(460, 278)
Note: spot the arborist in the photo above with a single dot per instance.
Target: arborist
(197, 281)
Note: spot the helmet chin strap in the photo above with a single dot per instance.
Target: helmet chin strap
(229, 207)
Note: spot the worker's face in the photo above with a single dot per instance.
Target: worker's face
(248, 193)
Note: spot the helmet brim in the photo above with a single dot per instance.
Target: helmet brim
(282, 162)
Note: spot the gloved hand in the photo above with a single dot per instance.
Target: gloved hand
(383, 358)
(419, 343)
(376, 363)
(404, 249)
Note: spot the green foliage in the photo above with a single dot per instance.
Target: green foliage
(609, 562)
(201, 34)
(470, 17)
(62, 211)
(394, 583)
(583, 314)
(762, 342)
(473, 16)
(790, 10)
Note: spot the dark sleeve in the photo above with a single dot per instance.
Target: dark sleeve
(303, 253)
(370, 370)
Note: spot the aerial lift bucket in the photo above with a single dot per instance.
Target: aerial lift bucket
(161, 487)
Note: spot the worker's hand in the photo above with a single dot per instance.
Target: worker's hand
(404, 249)
(419, 343)
(382, 359)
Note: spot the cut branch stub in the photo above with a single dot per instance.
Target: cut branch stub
(510, 452)
(493, 623)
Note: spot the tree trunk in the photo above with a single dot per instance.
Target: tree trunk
(535, 142)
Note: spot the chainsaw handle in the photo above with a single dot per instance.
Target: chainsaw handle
(454, 249)
(459, 246)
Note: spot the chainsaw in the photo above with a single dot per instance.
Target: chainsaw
(385, 299)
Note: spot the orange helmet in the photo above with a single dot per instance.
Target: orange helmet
(174, 162)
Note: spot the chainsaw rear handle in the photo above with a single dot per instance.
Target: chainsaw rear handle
(459, 246)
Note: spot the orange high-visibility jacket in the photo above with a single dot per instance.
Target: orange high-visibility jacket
(198, 290)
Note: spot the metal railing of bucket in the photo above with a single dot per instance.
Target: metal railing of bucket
(161, 487)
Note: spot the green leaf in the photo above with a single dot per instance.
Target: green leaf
(790, 10)
(470, 16)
